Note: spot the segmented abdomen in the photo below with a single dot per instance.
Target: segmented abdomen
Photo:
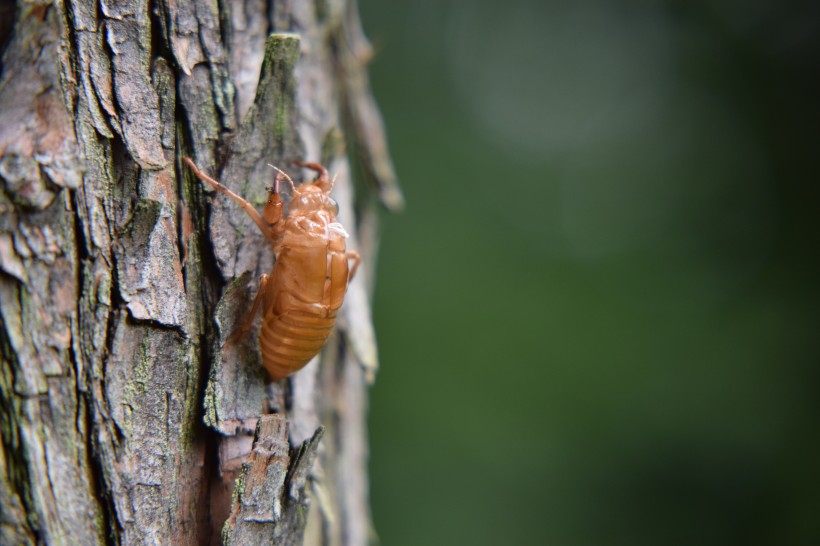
(290, 340)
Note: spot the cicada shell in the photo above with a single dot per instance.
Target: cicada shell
(300, 297)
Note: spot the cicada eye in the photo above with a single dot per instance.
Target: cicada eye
(333, 205)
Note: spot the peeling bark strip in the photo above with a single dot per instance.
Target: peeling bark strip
(270, 501)
(120, 279)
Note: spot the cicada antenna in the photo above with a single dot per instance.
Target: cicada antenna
(283, 173)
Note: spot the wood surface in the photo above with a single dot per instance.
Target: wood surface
(125, 418)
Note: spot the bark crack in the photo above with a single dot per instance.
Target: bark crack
(17, 495)
(85, 382)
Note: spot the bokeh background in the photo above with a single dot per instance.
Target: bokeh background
(598, 315)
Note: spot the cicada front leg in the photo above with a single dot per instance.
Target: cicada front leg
(323, 181)
(273, 210)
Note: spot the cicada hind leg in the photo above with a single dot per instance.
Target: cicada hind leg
(354, 256)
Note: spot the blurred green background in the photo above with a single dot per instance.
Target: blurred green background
(598, 315)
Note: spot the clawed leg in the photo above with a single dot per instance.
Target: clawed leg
(323, 181)
(246, 205)
(246, 326)
(357, 259)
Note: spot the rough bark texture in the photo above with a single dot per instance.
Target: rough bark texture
(125, 418)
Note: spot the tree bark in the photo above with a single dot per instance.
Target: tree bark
(126, 418)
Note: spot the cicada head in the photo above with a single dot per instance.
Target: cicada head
(312, 197)
(306, 199)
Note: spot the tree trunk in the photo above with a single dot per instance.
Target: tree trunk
(126, 418)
